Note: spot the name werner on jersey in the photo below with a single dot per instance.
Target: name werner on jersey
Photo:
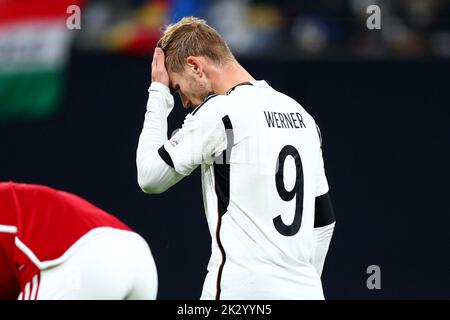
(292, 120)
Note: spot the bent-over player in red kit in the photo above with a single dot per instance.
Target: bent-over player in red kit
(55, 245)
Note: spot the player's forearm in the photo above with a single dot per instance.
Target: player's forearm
(159, 105)
(322, 239)
(156, 176)
(153, 136)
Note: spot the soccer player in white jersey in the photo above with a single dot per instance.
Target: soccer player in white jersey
(264, 187)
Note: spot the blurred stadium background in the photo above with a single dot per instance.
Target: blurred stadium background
(72, 104)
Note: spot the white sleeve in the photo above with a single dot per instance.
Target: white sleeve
(201, 138)
(322, 239)
(322, 182)
(324, 220)
(154, 175)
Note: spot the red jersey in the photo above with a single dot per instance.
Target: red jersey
(39, 228)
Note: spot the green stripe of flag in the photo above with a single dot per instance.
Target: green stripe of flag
(31, 95)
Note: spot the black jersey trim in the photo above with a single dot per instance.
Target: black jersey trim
(222, 252)
(165, 156)
(247, 83)
(324, 212)
(201, 104)
(222, 188)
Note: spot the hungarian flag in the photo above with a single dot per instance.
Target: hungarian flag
(34, 46)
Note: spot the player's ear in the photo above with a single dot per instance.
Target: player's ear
(195, 65)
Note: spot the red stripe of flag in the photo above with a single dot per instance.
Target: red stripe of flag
(19, 10)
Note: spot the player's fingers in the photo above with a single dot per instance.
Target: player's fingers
(159, 57)
(154, 60)
(159, 72)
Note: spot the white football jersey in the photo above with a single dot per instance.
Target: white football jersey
(262, 169)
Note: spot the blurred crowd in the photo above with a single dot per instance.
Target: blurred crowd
(286, 28)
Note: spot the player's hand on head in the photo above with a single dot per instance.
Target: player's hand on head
(159, 71)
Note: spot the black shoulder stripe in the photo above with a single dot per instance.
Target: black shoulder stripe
(222, 169)
(165, 156)
(227, 122)
(324, 212)
(230, 138)
(204, 101)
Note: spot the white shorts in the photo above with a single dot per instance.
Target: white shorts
(111, 265)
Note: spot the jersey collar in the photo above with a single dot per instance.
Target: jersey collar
(256, 83)
(247, 83)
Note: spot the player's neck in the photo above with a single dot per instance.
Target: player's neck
(230, 75)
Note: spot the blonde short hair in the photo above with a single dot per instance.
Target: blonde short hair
(192, 36)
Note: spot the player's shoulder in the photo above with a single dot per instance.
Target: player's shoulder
(210, 111)
(217, 104)
(212, 104)
(207, 114)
